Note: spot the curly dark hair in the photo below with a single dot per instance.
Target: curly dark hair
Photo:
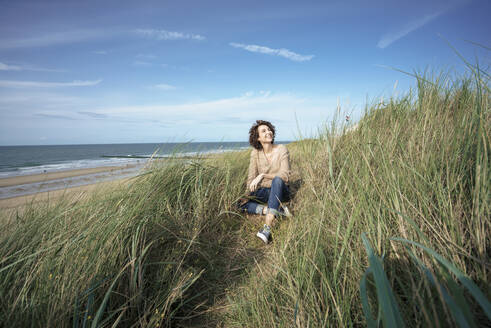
(254, 133)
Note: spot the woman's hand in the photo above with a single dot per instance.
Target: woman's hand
(256, 182)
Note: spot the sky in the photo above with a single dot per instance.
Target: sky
(84, 72)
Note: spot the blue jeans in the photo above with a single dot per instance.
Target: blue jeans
(278, 192)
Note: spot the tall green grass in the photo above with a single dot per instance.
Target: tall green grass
(130, 255)
(170, 250)
(415, 167)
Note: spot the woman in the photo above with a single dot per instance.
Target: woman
(269, 171)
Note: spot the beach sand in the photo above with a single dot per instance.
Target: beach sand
(24, 179)
(74, 193)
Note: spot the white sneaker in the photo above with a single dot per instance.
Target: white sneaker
(265, 234)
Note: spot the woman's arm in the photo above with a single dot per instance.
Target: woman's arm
(253, 170)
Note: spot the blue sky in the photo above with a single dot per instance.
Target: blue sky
(168, 71)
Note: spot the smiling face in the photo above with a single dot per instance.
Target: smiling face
(261, 132)
(265, 134)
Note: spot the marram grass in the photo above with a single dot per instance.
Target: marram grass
(169, 249)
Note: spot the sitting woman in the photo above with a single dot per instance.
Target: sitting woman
(269, 170)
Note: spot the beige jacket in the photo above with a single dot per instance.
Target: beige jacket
(280, 166)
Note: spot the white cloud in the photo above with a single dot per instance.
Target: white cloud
(165, 87)
(146, 56)
(83, 35)
(275, 52)
(93, 115)
(5, 67)
(54, 116)
(43, 99)
(18, 100)
(37, 84)
(168, 35)
(141, 63)
(228, 117)
(391, 37)
(56, 38)
(249, 106)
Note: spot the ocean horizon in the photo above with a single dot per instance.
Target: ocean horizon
(35, 159)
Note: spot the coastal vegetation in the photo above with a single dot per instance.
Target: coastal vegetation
(391, 224)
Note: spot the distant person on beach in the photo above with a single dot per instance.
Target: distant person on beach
(269, 171)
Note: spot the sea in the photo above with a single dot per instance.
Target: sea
(28, 160)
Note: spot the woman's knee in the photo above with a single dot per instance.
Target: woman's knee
(281, 188)
(277, 180)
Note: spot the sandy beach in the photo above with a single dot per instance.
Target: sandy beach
(75, 192)
(25, 179)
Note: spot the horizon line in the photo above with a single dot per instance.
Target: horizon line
(133, 143)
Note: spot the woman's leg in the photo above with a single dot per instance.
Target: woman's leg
(279, 193)
(260, 195)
